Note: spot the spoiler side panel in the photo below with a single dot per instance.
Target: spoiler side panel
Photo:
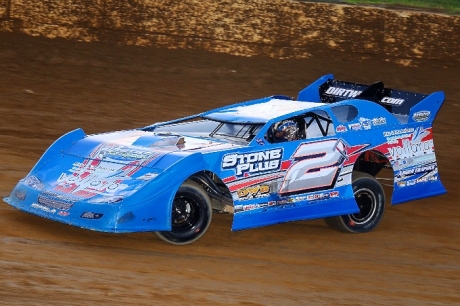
(311, 92)
(427, 109)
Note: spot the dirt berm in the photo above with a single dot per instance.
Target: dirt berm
(275, 28)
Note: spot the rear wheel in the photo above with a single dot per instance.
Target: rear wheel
(370, 197)
(191, 215)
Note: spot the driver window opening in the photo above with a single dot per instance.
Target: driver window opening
(286, 130)
(318, 124)
(345, 113)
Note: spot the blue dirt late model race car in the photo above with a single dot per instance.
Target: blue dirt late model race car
(265, 161)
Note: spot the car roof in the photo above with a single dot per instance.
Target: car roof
(259, 112)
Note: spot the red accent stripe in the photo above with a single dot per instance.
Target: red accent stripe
(229, 179)
(247, 183)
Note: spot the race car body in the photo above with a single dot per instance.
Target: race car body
(266, 161)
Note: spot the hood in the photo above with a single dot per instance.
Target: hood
(109, 167)
(136, 144)
(141, 147)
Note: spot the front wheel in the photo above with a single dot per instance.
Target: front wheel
(370, 198)
(191, 215)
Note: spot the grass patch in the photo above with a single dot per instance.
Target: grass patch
(450, 6)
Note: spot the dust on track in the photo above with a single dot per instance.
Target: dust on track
(49, 87)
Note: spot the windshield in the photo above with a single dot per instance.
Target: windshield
(242, 131)
(209, 128)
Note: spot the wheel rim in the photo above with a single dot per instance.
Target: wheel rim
(367, 203)
(185, 214)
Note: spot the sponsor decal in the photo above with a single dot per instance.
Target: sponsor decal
(379, 121)
(392, 101)
(260, 141)
(402, 184)
(279, 204)
(254, 191)
(401, 163)
(20, 195)
(248, 207)
(341, 128)
(417, 170)
(91, 215)
(103, 168)
(412, 147)
(355, 126)
(126, 153)
(254, 162)
(287, 201)
(423, 179)
(323, 196)
(395, 135)
(103, 173)
(421, 116)
(300, 199)
(366, 123)
(342, 92)
(95, 184)
(63, 213)
(43, 208)
(398, 132)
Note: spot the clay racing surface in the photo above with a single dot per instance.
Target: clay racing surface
(49, 87)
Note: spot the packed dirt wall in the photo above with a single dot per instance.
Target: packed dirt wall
(275, 28)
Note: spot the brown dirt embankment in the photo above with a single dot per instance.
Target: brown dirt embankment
(275, 28)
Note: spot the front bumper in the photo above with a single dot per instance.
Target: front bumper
(121, 217)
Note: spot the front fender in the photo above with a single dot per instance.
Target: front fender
(57, 147)
(154, 200)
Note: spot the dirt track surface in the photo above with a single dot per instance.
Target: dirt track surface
(49, 87)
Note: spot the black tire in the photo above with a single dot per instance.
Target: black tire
(191, 215)
(370, 197)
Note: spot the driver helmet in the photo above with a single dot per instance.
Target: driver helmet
(286, 130)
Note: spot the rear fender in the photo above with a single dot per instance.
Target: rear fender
(413, 158)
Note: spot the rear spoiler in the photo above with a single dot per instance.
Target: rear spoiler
(399, 102)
